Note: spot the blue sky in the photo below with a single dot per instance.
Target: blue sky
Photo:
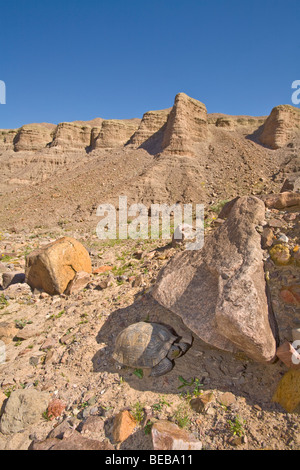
(72, 60)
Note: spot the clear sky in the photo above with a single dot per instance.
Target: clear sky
(66, 60)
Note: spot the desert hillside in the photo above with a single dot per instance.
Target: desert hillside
(143, 344)
(181, 154)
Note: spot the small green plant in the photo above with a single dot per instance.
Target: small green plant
(160, 404)
(3, 302)
(139, 373)
(58, 315)
(217, 207)
(185, 383)
(46, 416)
(237, 426)
(148, 427)
(6, 258)
(182, 417)
(138, 412)
(8, 391)
(196, 390)
(22, 323)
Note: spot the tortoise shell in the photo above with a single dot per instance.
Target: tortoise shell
(143, 344)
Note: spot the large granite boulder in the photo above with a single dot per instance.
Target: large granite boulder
(220, 291)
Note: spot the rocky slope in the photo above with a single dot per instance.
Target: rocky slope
(281, 127)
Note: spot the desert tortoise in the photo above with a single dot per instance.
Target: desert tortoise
(150, 346)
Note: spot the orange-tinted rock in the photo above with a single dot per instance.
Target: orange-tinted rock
(288, 355)
(52, 267)
(124, 425)
(102, 269)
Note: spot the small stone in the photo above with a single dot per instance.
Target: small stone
(34, 360)
(12, 278)
(93, 426)
(138, 254)
(8, 331)
(123, 426)
(182, 234)
(289, 356)
(282, 238)
(200, 404)
(291, 294)
(137, 281)
(55, 408)
(227, 399)
(267, 237)
(236, 441)
(79, 282)
(275, 223)
(102, 269)
(169, 436)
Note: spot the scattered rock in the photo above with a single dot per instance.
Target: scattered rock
(288, 355)
(282, 200)
(78, 283)
(73, 442)
(267, 237)
(8, 331)
(200, 404)
(12, 278)
(168, 436)
(227, 399)
(123, 426)
(102, 269)
(280, 254)
(291, 183)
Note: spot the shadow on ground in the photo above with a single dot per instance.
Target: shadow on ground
(216, 369)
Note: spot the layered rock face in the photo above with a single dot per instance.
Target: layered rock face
(113, 133)
(150, 132)
(186, 126)
(7, 137)
(180, 130)
(280, 126)
(32, 137)
(220, 291)
(71, 136)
